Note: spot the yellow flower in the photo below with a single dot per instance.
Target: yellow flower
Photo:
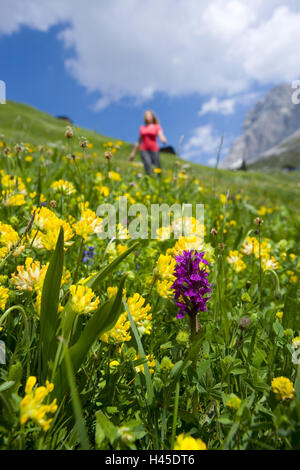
(63, 186)
(4, 292)
(164, 271)
(103, 190)
(157, 170)
(233, 257)
(82, 299)
(190, 228)
(186, 442)
(164, 288)
(188, 243)
(251, 246)
(246, 297)
(163, 233)
(223, 199)
(121, 249)
(114, 364)
(120, 332)
(233, 402)
(232, 223)
(141, 314)
(8, 238)
(114, 176)
(239, 266)
(296, 341)
(268, 262)
(150, 361)
(15, 200)
(29, 275)
(279, 315)
(48, 226)
(32, 407)
(123, 232)
(112, 291)
(89, 224)
(49, 239)
(11, 183)
(283, 388)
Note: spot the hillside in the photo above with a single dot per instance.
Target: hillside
(23, 123)
(146, 334)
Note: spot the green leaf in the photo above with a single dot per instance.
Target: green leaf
(297, 384)
(231, 434)
(291, 310)
(15, 374)
(149, 385)
(176, 369)
(77, 409)
(6, 385)
(49, 319)
(203, 368)
(98, 278)
(105, 430)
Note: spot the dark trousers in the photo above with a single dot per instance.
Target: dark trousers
(150, 158)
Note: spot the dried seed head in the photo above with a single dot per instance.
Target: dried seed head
(244, 323)
(53, 203)
(258, 221)
(83, 143)
(18, 148)
(108, 155)
(222, 246)
(69, 132)
(214, 231)
(6, 150)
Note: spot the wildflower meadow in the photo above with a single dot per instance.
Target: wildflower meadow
(165, 343)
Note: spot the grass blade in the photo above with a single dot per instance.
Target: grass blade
(149, 385)
(49, 318)
(77, 409)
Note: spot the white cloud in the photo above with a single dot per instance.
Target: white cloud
(214, 105)
(212, 161)
(227, 106)
(202, 141)
(204, 144)
(134, 49)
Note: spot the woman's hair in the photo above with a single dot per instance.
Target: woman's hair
(154, 117)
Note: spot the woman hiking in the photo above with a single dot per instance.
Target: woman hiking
(147, 142)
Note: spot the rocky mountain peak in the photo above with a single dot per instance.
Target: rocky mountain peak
(272, 119)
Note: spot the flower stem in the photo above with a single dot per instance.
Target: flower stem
(175, 414)
(78, 261)
(195, 326)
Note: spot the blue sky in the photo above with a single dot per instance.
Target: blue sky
(65, 58)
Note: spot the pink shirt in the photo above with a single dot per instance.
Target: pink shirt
(148, 135)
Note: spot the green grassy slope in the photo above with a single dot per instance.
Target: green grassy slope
(23, 123)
